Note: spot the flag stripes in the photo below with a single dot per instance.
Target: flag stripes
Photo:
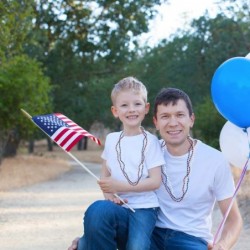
(62, 130)
(77, 128)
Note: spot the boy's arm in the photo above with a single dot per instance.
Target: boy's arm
(109, 185)
(104, 174)
(104, 170)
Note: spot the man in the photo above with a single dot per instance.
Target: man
(194, 178)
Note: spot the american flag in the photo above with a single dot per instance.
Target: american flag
(62, 130)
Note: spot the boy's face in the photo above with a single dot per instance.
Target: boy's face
(174, 122)
(130, 108)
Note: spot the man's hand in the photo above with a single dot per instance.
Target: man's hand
(217, 246)
(74, 244)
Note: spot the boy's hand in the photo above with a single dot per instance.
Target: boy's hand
(108, 185)
(74, 244)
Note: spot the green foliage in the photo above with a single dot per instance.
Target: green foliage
(22, 85)
(85, 47)
(189, 60)
(15, 23)
(208, 123)
(22, 82)
(93, 29)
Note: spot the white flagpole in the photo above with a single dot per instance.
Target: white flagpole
(91, 173)
(81, 164)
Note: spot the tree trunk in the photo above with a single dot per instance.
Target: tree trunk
(12, 144)
(1, 150)
(83, 144)
(50, 144)
(31, 146)
(3, 139)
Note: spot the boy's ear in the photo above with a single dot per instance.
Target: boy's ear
(147, 107)
(114, 111)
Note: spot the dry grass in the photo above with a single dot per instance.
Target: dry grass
(244, 190)
(24, 169)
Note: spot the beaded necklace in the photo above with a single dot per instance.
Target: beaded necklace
(122, 164)
(165, 177)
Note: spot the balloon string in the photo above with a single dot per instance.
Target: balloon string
(232, 200)
(231, 203)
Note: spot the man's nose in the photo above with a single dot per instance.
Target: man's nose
(173, 121)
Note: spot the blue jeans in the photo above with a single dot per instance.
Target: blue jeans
(108, 226)
(168, 239)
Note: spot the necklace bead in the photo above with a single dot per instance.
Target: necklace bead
(165, 177)
(122, 164)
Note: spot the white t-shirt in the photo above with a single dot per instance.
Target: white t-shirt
(131, 155)
(210, 179)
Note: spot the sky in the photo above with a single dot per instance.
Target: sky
(175, 14)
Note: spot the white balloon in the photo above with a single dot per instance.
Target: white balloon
(235, 144)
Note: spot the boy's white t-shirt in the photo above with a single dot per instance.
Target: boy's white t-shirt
(131, 155)
(210, 179)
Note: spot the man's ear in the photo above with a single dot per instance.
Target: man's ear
(155, 123)
(192, 118)
(114, 111)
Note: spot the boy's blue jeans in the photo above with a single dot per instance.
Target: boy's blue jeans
(109, 226)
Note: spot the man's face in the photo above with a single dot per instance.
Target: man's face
(174, 122)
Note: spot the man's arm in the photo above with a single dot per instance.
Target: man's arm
(232, 226)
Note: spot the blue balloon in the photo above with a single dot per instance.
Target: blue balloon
(230, 90)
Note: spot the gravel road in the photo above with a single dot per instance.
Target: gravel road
(49, 215)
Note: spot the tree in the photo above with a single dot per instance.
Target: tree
(22, 85)
(85, 43)
(208, 123)
(15, 23)
(189, 60)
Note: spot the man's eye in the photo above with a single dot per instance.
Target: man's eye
(165, 117)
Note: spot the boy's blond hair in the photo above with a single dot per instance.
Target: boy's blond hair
(129, 83)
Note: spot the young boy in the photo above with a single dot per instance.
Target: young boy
(131, 165)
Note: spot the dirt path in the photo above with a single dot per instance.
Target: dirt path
(49, 215)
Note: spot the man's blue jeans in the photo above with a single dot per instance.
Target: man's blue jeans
(168, 239)
(108, 226)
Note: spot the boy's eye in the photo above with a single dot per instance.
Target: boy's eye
(138, 104)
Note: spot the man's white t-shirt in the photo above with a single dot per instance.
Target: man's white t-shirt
(210, 179)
